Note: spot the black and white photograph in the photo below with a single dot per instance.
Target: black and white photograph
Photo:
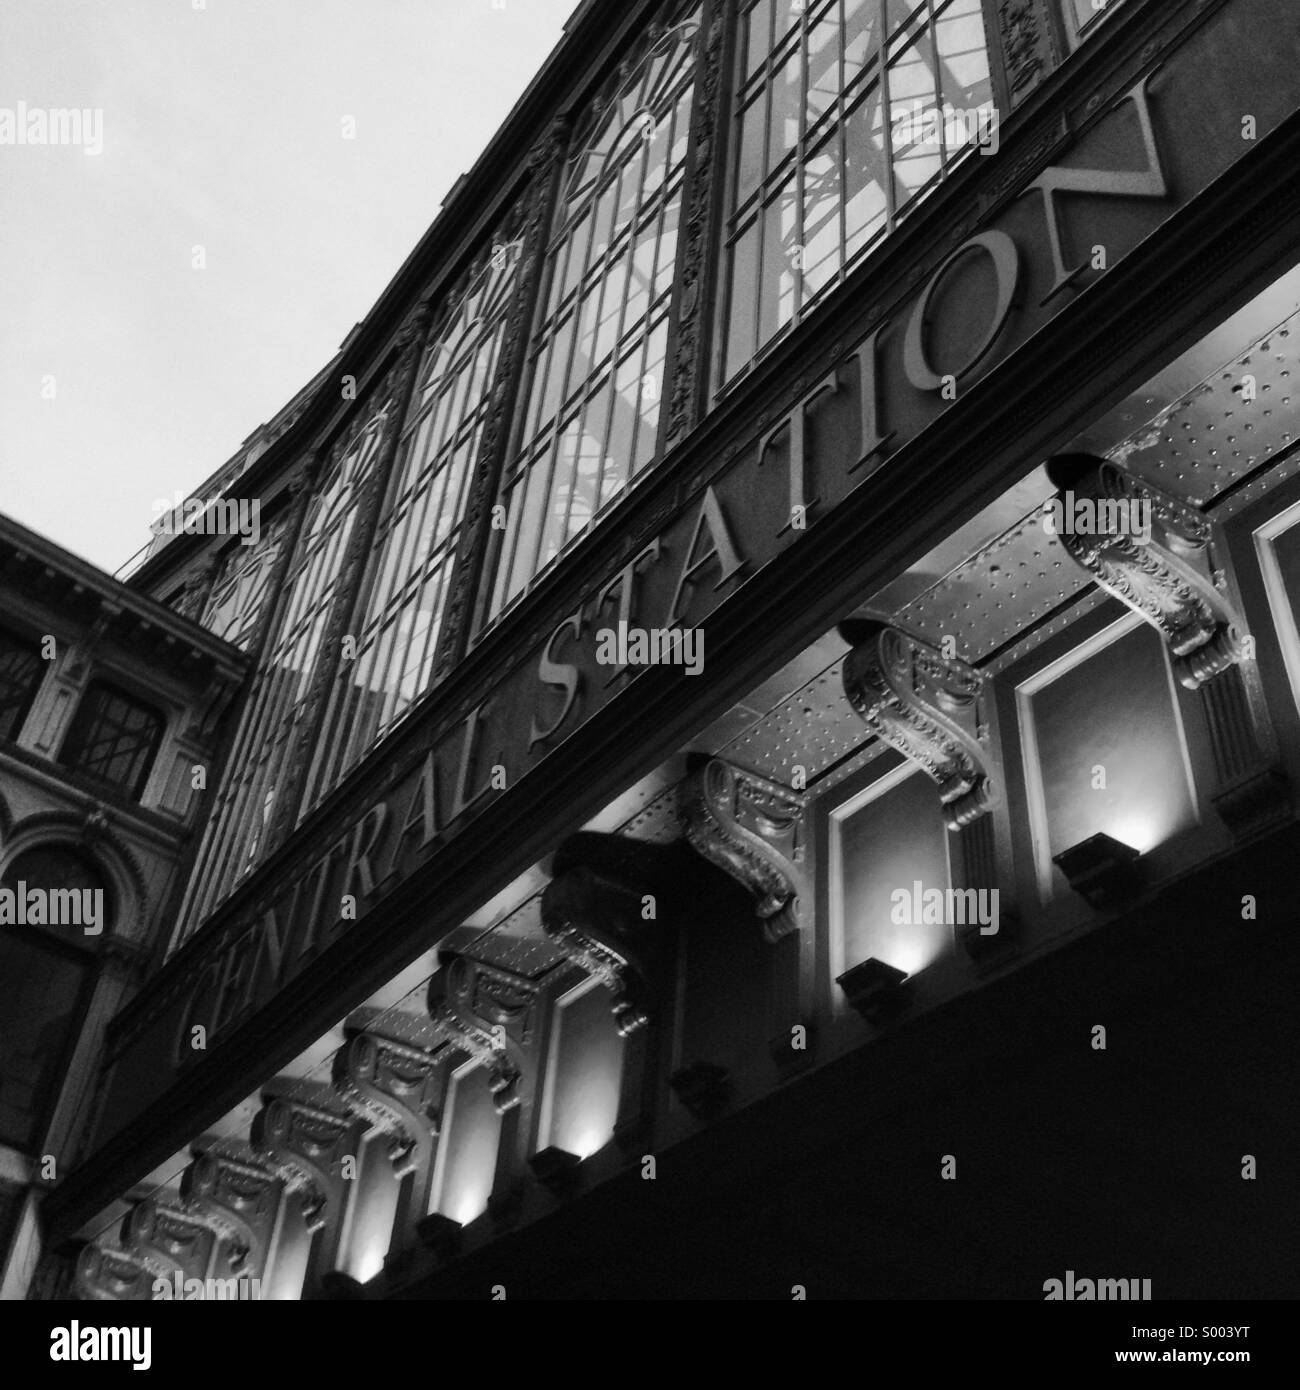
(650, 651)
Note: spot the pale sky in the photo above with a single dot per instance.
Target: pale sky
(222, 128)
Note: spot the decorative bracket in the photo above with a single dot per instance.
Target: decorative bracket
(752, 829)
(302, 1139)
(386, 1077)
(115, 1276)
(237, 1197)
(928, 706)
(594, 909)
(471, 1004)
(1164, 569)
(178, 1238)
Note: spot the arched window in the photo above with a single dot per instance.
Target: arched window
(591, 422)
(241, 586)
(45, 965)
(419, 526)
(237, 836)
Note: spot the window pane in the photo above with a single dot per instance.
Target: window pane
(743, 293)
(776, 306)
(822, 242)
(21, 670)
(819, 97)
(113, 738)
(753, 132)
(867, 205)
(629, 166)
(758, 35)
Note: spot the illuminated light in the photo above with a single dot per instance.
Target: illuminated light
(1142, 832)
(1101, 869)
(912, 953)
(471, 1205)
(873, 988)
(589, 1141)
(371, 1260)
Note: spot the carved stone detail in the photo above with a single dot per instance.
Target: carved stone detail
(302, 1141)
(928, 706)
(1171, 579)
(114, 1276)
(472, 1005)
(173, 1237)
(237, 1197)
(683, 402)
(752, 829)
(593, 909)
(1028, 50)
(390, 1082)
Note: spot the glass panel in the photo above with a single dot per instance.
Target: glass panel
(867, 206)
(850, 194)
(823, 65)
(822, 241)
(113, 738)
(758, 35)
(21, 671)
(783, 113)
(743, 290)
(963, 61)
(860, 38)
(753, 131)
(639, 145)
(776, 306)
(652, 387)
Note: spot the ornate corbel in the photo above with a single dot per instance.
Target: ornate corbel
(752, 829)
(1162, 568)
(237, 1197)
(177, 1238)
(928, 706)
(386, 1077)
(302, 1140)
(84, 650)
(115, 1276)
(595, 910)
(473, 1005)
